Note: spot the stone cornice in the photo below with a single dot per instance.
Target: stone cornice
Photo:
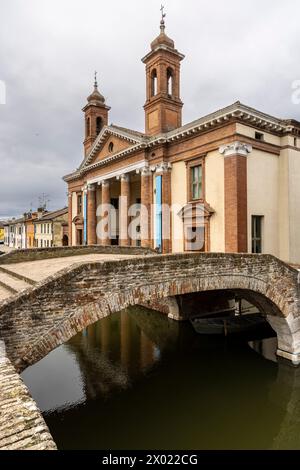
(162, 47)
(117, 173)
(106, 131)
(235, 112)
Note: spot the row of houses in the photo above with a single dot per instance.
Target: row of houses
(39, 229)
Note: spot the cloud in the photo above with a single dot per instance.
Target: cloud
(50, 49)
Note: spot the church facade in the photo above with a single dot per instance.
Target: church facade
(226, 182)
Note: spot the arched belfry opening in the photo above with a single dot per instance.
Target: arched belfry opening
(170, 82)
(99, 124)
(87, 127)
(154, 82)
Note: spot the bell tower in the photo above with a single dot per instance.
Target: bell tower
(95, 116)
(163, 104)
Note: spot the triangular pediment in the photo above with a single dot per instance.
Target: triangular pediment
(111, 141)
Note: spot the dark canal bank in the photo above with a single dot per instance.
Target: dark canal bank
(137, 380)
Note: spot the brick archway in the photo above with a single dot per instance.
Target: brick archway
(48, 315)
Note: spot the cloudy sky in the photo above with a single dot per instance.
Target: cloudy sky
(245, 50)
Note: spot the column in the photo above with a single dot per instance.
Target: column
(146, 198)
(105, 201)
(164, 169)
(235, 197)
(84, 215)
(91, 215)
(70, 218)
(124, 202)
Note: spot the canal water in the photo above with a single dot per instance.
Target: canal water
(137, 380)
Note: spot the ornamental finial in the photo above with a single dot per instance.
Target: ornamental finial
(95, 82)
(162, 21)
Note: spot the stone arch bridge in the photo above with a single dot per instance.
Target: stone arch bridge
(41, 318)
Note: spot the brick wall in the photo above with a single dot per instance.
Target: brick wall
(39, 319)
(18, 256)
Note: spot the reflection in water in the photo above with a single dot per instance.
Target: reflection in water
(138, 380)
(267, 348)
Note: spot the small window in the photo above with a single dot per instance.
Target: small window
(295, 141)
(259, 136)
(110, 147)
(79, 204)
(196, 182)
(256, 229)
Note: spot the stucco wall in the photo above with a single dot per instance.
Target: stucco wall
(179, 197)
(283, 206)
(294, 205)
(263, 188)
(250, 132)
(214, 194)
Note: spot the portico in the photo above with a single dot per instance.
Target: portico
(118, 206)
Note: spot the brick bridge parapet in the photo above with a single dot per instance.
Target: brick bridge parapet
(41, 318)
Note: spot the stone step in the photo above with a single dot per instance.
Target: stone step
(12, 273)
(12, 284)
(4, 293)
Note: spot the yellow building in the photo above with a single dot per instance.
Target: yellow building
(30, 229)
(1, 233)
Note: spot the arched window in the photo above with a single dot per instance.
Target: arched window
(169, 81)
(110, 147)
(98, 125)
(87, 127)
(153, 82)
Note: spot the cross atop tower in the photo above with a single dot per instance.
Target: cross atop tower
(162, 21)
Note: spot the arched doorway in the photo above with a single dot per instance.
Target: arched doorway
(65, 240)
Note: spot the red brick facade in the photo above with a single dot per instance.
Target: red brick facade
(235, 179)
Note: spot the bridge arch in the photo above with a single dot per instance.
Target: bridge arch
(46, 316)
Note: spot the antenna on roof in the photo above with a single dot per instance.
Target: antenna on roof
(43, 201)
